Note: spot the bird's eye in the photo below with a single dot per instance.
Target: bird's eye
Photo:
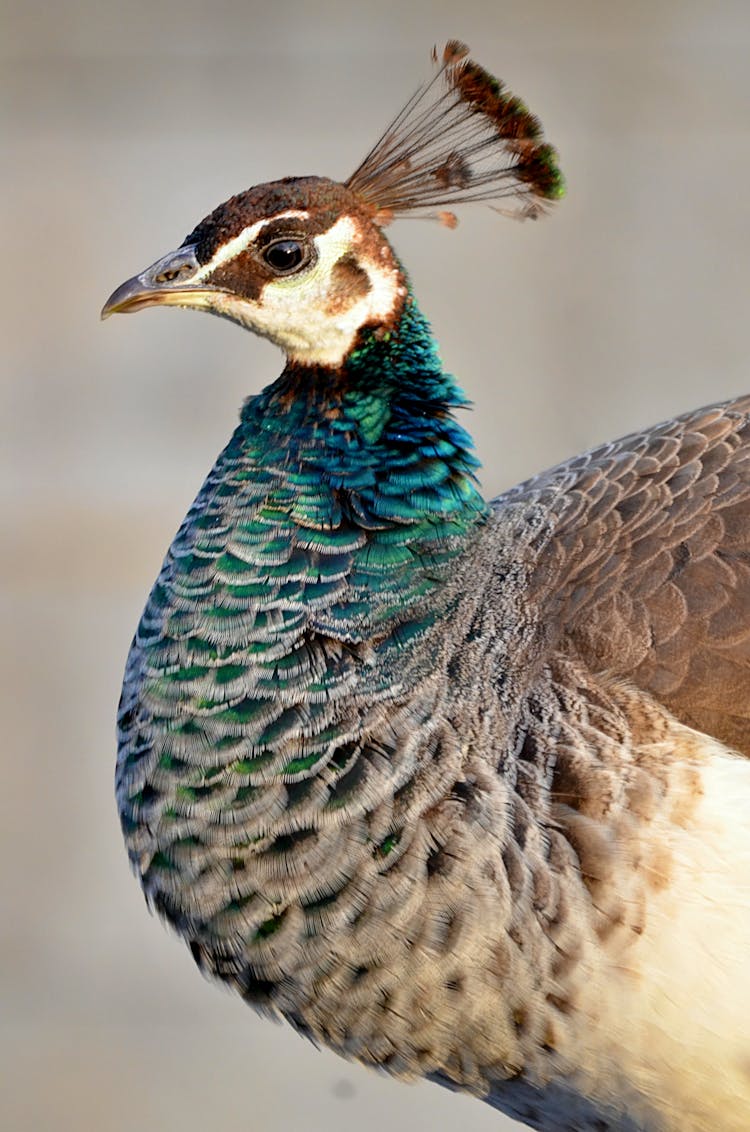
(284, 256)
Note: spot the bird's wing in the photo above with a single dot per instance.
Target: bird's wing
(645, 571)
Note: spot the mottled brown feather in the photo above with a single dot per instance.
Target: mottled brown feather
(647, 571)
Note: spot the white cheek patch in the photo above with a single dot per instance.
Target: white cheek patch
(295, 312)
(242, 241)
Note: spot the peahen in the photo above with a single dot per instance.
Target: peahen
(460, 789)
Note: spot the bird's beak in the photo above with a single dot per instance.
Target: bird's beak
(171, 281)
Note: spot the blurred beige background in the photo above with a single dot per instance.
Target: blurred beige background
(122, 125)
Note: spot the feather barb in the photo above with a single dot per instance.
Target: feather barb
(461, 137)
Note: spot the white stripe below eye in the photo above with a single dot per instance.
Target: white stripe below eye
(242, 241)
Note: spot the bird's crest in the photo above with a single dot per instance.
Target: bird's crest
(461, 137)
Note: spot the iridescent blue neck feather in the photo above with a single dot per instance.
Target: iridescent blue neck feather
(374, 462)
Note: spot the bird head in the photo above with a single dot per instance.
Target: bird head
(304, 261)
(299, 261)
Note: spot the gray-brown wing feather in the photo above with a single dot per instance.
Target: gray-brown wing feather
(646, 573)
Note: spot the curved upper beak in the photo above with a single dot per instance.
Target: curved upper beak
(173, 280)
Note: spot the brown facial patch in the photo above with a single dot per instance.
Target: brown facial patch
(244, 275)
(349, 284)
(247, 273)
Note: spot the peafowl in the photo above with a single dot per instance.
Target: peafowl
(459, 789)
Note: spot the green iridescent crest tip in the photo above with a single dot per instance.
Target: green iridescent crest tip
(462, 137)
(541, 168)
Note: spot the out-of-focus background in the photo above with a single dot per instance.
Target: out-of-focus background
(122, 125)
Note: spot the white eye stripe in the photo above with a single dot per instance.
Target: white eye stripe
(240, 242)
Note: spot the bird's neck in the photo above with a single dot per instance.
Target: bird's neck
(370, 458)
(390, 398)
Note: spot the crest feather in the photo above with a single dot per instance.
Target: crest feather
(461, 137)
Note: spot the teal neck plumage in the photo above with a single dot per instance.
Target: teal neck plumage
(375, 464)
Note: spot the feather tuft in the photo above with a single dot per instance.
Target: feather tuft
(453, 52)
(461, 137)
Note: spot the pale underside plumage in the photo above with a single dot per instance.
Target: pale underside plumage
(555, 809)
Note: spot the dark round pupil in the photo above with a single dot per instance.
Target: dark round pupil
(284, 255)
